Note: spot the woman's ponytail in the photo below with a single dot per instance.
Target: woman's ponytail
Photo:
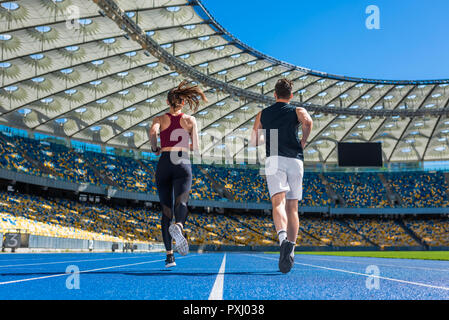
(192, 95)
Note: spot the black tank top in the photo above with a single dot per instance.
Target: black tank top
(283, 117)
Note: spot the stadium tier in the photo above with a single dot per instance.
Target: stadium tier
(77, 102)
(64, 218)
(242, 185)
(104, 79)
(57, 217)
(70, 219)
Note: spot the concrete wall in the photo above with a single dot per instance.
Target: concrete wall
(53, 243)
(40, 242)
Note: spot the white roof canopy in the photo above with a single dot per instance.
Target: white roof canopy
(69, 70)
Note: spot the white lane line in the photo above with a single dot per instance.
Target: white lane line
(49, 258)
(377, 264)
(217, 289)
(364, 274)
(70, 261)
(47, 255)
(84, 271)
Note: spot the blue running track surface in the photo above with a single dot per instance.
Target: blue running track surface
(248, 276)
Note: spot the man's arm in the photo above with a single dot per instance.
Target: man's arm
(257, 138)
(154, 131)
(307, 124)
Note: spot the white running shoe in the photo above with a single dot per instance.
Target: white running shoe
(182, 246)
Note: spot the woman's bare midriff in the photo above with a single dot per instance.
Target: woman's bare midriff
(174, 149)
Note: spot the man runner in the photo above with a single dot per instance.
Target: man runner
(278, 126)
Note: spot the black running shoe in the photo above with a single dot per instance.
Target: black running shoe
(170, 261)
(286, 259)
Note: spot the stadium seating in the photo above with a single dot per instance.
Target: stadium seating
(202, 186)
(71, 219)
(358, 190)
(331, 232)
(64, 162)
(434, 232)
(12, 159)
(125, 172)
(384, 233)
(314, 191)
(246, 185)
(419, 189)
(68, 219)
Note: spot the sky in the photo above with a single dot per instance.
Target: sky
(331, 35)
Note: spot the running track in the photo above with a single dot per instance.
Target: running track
(230, 276)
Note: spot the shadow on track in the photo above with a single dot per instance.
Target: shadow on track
(149, 273)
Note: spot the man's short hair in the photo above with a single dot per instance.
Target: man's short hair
(284, 88)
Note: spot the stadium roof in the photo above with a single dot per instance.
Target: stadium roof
(98, 71)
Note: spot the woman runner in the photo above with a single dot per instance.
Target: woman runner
(174, 172)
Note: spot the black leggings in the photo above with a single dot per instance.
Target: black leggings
(173, 180)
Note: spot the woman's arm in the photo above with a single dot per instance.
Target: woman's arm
(195, 146)
(154, 131)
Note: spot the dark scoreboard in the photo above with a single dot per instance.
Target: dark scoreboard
(360, 154)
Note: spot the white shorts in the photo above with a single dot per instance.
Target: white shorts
(284, 175)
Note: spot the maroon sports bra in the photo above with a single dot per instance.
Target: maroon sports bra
(175, 135)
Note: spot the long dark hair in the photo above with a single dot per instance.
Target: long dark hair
(192, 95)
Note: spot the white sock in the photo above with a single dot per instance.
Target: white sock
(282, 235)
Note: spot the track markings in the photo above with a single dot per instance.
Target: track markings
(70, 261)
(84, 271)
(217, 289)
(378, 264)
(364, 274)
